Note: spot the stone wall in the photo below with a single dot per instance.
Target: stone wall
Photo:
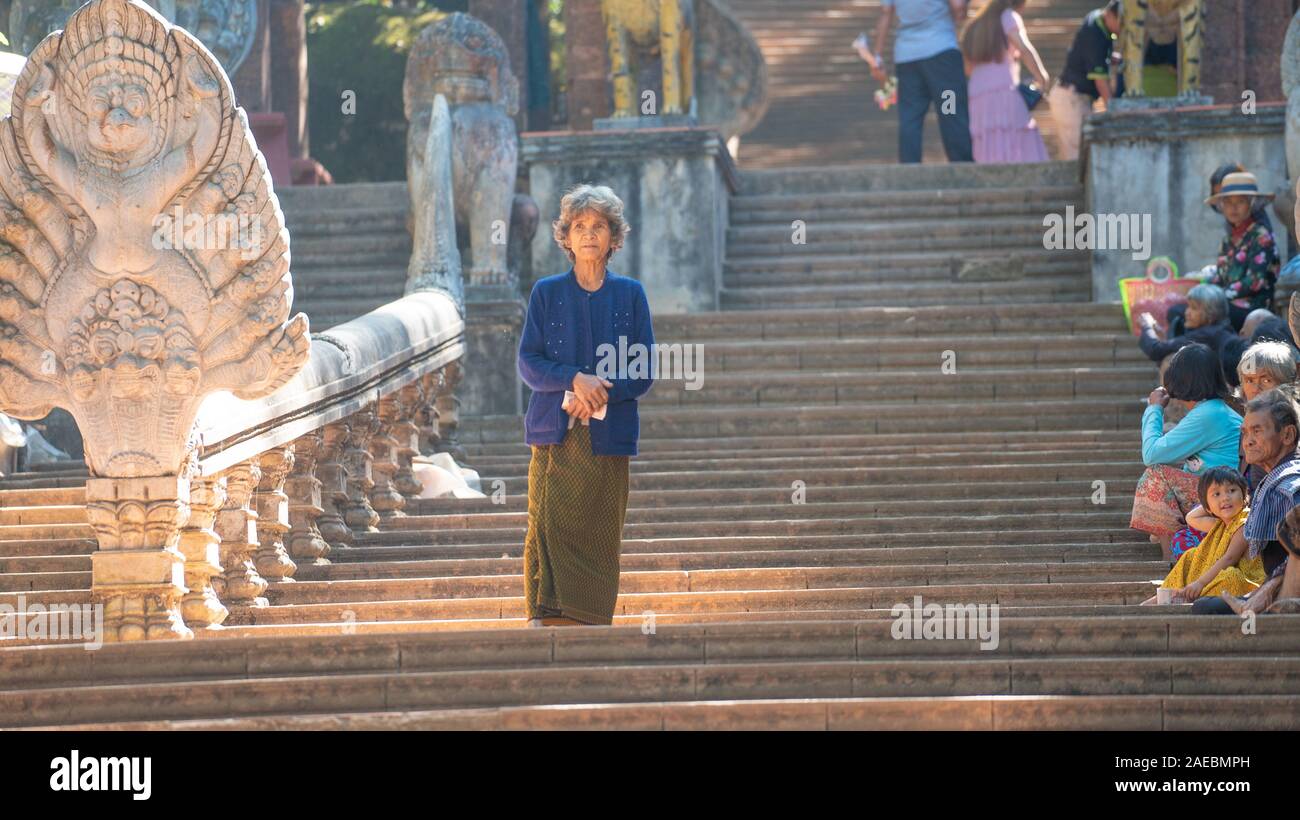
(675, 183)
(1159, 163)
(1243, 45)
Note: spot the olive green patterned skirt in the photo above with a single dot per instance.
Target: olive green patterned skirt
(576, 505)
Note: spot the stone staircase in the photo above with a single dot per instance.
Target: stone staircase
(822, 111)
(823, 376)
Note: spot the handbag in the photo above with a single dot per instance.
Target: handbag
(1032, 94)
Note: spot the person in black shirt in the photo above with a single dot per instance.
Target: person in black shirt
(1207, 323)
(1086, 76)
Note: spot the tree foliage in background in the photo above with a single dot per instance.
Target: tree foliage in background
(361, 47)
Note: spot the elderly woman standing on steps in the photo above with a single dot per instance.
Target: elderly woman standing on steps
(582, 428)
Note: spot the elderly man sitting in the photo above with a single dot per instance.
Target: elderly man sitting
(1268, 437)
(1207, 323)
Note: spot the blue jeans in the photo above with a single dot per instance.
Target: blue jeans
(921, 82)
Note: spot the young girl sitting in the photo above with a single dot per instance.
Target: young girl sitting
(1219, 564)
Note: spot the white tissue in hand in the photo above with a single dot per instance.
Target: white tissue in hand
(570, 397)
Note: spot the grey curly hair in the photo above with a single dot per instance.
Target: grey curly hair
(599, 199)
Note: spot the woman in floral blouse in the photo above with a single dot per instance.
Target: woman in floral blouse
(1248, 263)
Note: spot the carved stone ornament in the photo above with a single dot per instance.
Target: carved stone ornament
(227, 27)
(119, 123)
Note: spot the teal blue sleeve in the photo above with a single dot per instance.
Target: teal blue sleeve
(1181, 443)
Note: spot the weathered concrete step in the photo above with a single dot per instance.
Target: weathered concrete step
(775, 491)
(1003, 268)
(1043, 289)
(43, 563)
(907, 528)
(507, 461)
(891, 355)
(343, 198)
(417, 543)
(843, 388)
(338, 277)
(894, 322)
(39, 497)
(223, 654)
(1034, 257)
(759, 511)
(814, 445)
(384, 244)
(349, 565)
(748, 239)
(1020, 594)
(1193, 675)
(305, 227)
(927, 177)
(885, 417)
(978, 713)
(24, 532)
(978, 202)
(47, 547)
(45, 597)
(718, 580)
(993, 241)
(23, 581)
(12, 514)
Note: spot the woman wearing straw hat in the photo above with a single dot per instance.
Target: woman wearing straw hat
(1247, 267)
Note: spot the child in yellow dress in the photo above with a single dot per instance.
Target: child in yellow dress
(1219, 563)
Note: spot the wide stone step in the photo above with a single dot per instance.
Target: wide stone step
(1034, 257)
(888, 204)
(927, 177)
(850, 240)
(1019, 352)
(886, 417)
(778, 492)
(997, 267)
(416, 544)
(733, 601)
(25, 581)
(47, 514)
(728, 579)
(1028, 291)
(978, 713)
(1191, 674)
(43, 563)
(938, 443)
(848, 388)
(370, 563)
(859, 322)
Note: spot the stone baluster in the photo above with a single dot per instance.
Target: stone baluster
(358, 514)
(384, 497)
(306, 545)
(271, 558)
(201, 546)
(333, 486)
(239, 586)
(407, 432)
(427, 420)
(138, 573)
(449, 413)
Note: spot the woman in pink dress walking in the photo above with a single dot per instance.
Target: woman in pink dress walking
(994, 43)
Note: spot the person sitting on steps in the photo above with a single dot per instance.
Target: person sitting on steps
(1269, 435)
(1206, 322)
(1219, 563)
(1207, 437)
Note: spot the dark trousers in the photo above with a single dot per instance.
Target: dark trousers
(921, 82)
(1270, 556)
